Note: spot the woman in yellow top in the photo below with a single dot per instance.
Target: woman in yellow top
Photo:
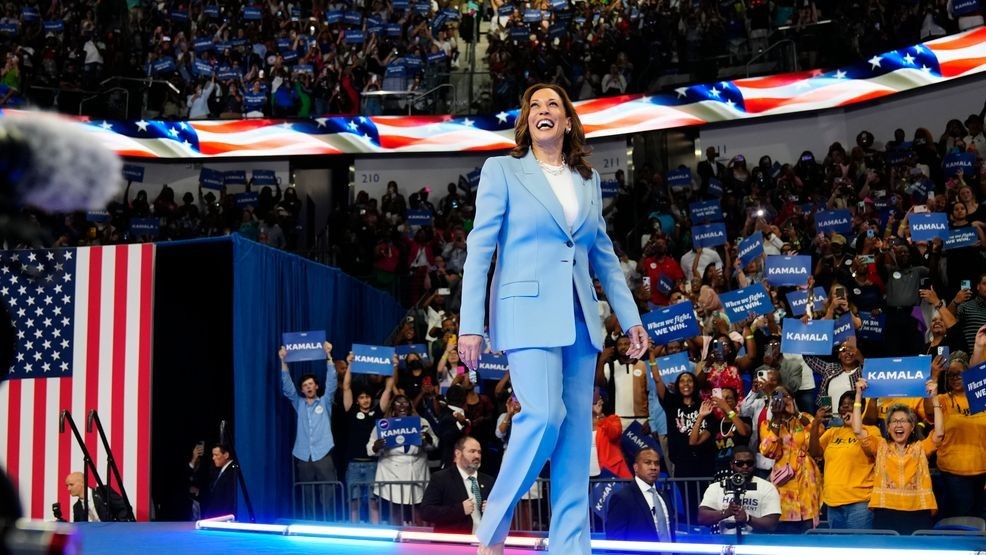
(785, 439)
(961, 455)
(848, 468)
(902, 499)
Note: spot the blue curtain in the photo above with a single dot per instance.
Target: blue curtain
(276, 292)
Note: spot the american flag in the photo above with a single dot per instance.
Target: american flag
(896, 71)
(83, 321)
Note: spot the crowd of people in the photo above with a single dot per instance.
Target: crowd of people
(279, 59)
(807, 431)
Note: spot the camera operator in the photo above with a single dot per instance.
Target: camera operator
(741, 498)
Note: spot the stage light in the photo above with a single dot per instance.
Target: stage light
(342, 532)
(228, 524)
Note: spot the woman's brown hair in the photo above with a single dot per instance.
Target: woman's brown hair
(574, 148)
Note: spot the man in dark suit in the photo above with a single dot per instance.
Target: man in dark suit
(105, 505)
(221, 497)
(710, 168)
(638, 511)
(455, 498)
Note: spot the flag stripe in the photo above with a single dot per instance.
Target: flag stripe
(64, 444)
(12, 430)
(38, 453)
(92, 361)
(128, 464)
(80, 365)
(104, 404)
(120, 347)
(144, 381)
(26, 451)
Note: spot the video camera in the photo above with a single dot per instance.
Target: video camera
(735, 484)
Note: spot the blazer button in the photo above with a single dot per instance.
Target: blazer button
(569, 243)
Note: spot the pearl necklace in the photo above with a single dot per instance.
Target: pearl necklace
(553, 170)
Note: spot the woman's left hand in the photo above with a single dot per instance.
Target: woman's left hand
(638, 342)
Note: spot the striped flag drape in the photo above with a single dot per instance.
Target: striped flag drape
(83, 318)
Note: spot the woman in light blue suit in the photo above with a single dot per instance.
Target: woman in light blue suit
(539, 209)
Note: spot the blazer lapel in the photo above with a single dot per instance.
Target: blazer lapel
(533, 180)
(584, 191)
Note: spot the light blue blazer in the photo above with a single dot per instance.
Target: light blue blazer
(540, 265)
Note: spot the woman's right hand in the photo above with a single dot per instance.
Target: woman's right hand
(470, 347)
(861, 385)
(378, 445)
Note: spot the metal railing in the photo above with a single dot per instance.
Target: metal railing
(397, 503)
(776, 46)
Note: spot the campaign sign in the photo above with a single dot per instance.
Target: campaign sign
(740, 303)
(179, 15)
(399, 432)
(211, 10)
(354, 37)
(787, 270)
(609, 188)
(965, 7)
(563, 4)
(437, 57)
(304, 345)
(557, 31)
(926, 227)
(263, 177)
(705, 212)
(372, 359)
(211, 179)
(975, 387)
(798, 301)
(603, 490)
(422, 8)
(532, 16)
(295, 13)
(413, 62)
(419, 217)
(956, 161)
(711, 235)
(505, 10)
(672, 323)
(634, 439)
(872, 326)
(29, 13)
(843, 329)
(750, 248)
(145, 226)
(664, 284)
(164, 65)
(133, 172)
(235, 177)
(492, 367)
(833, 221)
(246, 199)
(474, 176)
(813, 338)
(393, 30)
(251, 14)
(335, 16)
(353, 17)
(228, 74)
(54, 25)
(98, 216)
(8, 28)
(896, 377)
(715, 187)
(519, 34)
(960, 237)
(402, 351)
(672, 366)
(679, 179)
(290, 56)
(283, 44)
(202, 68)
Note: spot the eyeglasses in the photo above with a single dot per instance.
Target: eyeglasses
(743, 463)
(900, 421)
(951, 375)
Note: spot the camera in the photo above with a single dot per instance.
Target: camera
(735, 484)
(56, 511)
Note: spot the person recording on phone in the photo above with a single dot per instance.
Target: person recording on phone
(969, 308)
(756, 407)
(740, 499)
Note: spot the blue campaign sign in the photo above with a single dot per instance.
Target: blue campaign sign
(715, 187)
(372, 359)
(254, 101)
(164, 65)
(419, 217)
(711, 235)
(634, 439)
(505, 10)
(98, 216)
(403, 350)
(8, 28)
(145, 226)
(975, 387)
(813, 338)
(437, 57)
(609, 188)
(54, 26)
(202, 68)
(896, 377)
(956, 161)
(750, 248)
(211, 179)
(283, 44)
(559, 5)
(834, 221)
(295, 13)
(532, 16)
(965, 7)
(557, 31)
(843, 329)
(519, 33)
(959, 237)
(787, 270)
(246, 199)
(179, 15)
(740, 303)
(474, 176)
(872, 326)
(211, 10)
(235, 177)
(798, 301)
(263, 177)
(352, 17)
(30, 13)
(492, 367)
(393, 30)
(602, 491)
(133, 172)
(304, 345)
(672, 323)
(399, 432)
(671, 366)
(394, 70)
(926, 227)
(897, 155)
(413, 62)
(664, 284)
(251, 14)
(679, 179)
(290, 56)
(228, 74)
(335, 16)
(705, 212)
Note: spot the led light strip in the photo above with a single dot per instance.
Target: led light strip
(343, 532)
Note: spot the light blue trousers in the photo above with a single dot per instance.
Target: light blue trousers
(554, 387)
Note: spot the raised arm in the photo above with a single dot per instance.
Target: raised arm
(699, 436)
(857, 418)
(287, 385)
(347, 380)
(331, 378)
